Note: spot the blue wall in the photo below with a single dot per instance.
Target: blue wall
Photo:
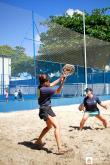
(95, 75)
(32, 104)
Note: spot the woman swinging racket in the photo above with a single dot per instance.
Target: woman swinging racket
(45, 112)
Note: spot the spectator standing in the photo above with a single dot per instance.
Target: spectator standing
(20, 95)
(15, 95)
(6, 95)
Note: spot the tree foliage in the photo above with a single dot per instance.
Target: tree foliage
(97, 23)
(20, 62)
(64, 37)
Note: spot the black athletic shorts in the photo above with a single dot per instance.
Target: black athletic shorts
(44, 111)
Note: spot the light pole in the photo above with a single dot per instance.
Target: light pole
(85, 52)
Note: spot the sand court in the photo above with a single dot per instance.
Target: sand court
(18, 131)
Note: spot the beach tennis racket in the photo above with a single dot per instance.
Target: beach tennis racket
(68, 70)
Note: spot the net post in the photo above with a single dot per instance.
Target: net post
(34, 48)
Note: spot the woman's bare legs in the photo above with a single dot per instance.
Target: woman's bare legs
(51, 121)
(101, 118)
(44, 131)
(85, 117)
(56, 126)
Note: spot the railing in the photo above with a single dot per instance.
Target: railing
(68, 90)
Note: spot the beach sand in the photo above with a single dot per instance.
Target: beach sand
(18, 129)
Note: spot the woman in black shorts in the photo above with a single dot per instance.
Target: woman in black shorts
(90, 108)
(45, 112)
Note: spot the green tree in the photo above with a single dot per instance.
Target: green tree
(20, 62)
(97, 23)
(64, 38)
(6, 50)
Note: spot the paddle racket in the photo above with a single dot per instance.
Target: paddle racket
(68, 70)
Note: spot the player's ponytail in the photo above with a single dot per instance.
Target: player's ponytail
(42, 79)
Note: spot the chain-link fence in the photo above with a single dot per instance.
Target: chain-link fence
(60, 45)
(41, 46)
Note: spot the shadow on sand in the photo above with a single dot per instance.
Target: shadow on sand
(85, 128)
(33, 146)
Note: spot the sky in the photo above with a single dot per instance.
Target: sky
(16, 18)
(45, 8)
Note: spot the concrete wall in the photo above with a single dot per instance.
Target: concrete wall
(5, 72)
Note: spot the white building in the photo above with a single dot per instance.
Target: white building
(5, 72)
